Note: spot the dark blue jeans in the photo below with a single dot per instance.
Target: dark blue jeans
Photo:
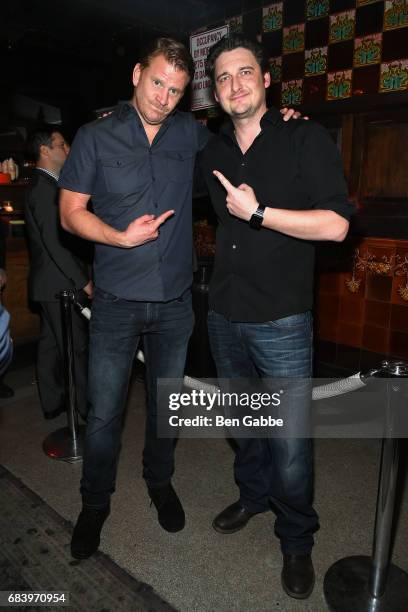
(115, 329)
(272, 471)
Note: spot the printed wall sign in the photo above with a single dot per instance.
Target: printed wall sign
(339, 85)
(367, 50)
(342, 26)
(315, 61)
(292, 92)
(275, 68)
(394, 76)
(201, 88)
(272, 17)
(317, 8)
(294, 38)
(395, 14)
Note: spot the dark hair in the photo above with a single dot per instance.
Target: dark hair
(39, 138)
(229, 43)
(174, 52)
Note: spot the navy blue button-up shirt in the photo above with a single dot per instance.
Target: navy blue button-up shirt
(112, 160)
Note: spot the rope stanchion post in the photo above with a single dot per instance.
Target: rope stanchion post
(373, 584)
(67, 443)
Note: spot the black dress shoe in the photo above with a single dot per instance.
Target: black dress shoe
(87, 532)
(232, 519)
(169, 509)
(53, 414)
(298, 575)
(5, 391)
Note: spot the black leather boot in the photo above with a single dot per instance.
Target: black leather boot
(87, 532)
(298, 575)
(232, 519)
(169, 509)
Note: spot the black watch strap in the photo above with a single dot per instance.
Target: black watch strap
(256, 220)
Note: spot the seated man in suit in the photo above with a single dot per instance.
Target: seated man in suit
(55, 266)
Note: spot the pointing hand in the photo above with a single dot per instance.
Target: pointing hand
(144, 229)
(241, 200)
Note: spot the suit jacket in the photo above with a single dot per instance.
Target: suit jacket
(55, 263)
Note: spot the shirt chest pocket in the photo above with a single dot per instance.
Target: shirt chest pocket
(179, 166)
(124, 174)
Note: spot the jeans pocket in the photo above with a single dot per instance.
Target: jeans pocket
(104, 295)
(301, 319)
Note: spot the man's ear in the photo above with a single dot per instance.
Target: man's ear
(215, 96)
(137, 71)
(44, 150)
(267, 79)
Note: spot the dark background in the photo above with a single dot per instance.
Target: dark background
(78, 55)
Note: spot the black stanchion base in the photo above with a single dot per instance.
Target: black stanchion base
(60, 444)
(346, 587)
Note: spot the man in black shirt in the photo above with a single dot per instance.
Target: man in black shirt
(277, 187)
(137, 165)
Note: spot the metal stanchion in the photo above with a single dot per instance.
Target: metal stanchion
(67, 443)
(373, 584)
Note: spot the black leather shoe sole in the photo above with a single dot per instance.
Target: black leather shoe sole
(54, 413)
(79, 554)
(230, 529)
(234, 518)
(296, 595)
(298, 576)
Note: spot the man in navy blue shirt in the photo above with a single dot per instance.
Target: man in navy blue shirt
(137, 165)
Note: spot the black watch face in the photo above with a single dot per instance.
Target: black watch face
(256, 221)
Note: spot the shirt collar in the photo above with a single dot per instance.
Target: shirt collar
(125, 109)
(54, 175)
(271, 117)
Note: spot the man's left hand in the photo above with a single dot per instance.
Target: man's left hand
(241, 200)
(290, 113)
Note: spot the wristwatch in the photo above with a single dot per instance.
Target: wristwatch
(256, 220)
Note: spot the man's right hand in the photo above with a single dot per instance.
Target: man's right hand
(144, 229)
(89, 289)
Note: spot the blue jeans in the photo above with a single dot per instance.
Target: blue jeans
(272, 471)
(115, 330)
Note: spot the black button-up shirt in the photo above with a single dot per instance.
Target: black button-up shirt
(111, 159)
(265, 275)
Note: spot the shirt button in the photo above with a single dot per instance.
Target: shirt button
(160, 259)
(243, 164)
(234, 246)
(155, 205)
(153, 178)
